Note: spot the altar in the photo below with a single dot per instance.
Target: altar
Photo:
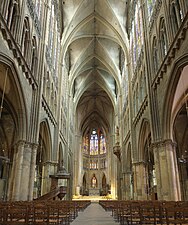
(94, 191)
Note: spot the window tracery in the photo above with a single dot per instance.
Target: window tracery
(155, 55)
(163, 39)
(176, 15)
(94, 143)
(12, 15)
(34, 56)
(25, 38)
(136, 39)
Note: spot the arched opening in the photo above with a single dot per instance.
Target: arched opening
(181, 138)
(104, 190)
(94, 150)
(163, 39)
(41, 158)
(180, 129)
(84, 190)
(149, 187)
(151, 184)
(25, 41)
(12, 127)
(155, 56)
(34, 53)
(12, 16)
(7, 138)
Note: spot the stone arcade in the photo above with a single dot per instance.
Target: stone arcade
(99, 88)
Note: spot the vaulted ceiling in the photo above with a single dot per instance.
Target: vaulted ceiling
(96, 44)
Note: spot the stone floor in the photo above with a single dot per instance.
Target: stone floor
(94, 214)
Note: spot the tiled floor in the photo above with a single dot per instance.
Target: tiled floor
(94, 214)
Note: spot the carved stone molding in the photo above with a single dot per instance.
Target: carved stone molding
(12, 44)
(172, 51)
(163, 143)
(141, 111)
(50, 163)
(49, 112)
(138, 163)
(117, 151)
(20, 143)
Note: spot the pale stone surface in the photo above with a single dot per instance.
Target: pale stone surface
(94, 214)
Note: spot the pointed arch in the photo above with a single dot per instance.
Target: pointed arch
(18, 99)
(144, 139)
(169, 109)
(155, 58)
(45, 143)
(34, 58)
(25, 40)
(163, 38)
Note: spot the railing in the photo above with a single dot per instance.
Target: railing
(57, 192)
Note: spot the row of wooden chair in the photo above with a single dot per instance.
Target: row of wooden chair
(40, 212)
(148, 212)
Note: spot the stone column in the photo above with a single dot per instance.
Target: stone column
(25, 176)
(32, 171)
(12, 176)
(167, 174)
(17, 173)
(78, 166)
(127, 187)
(140, 184)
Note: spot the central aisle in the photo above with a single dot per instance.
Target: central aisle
(94, 214)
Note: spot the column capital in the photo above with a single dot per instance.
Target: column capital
(28, 144)
(20, 143)
(138, 163)
(35, 145)
(163, 143)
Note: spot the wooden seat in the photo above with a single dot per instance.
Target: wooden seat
(150, 214)
(175, 215)
(15, 215)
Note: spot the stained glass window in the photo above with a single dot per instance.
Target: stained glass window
(136, 38)
(102, 144)
(94, 143)
(94, 164)
(85, 144)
